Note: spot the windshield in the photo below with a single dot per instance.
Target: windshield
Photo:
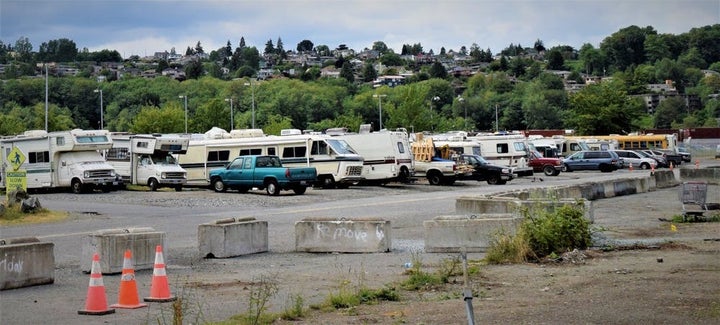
(481, 160)
(583, 145)
(164, 160)
(341, 147)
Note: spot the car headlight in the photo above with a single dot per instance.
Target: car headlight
(505, 171)
(86, 174)
(112, 173)
(163, 175)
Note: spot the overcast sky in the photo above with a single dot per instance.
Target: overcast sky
(142, 27)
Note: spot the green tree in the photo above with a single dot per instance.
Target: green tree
(269, 47)
(305, 46)
(169, 119)
(369, 72)
(603, 108)
(437, 70)
(391, 59)
(346, 72)
(194, 69)
(215, 112)
(380, 46)
(276, 123)
(555, 60)
(669, 111)
(626, 47)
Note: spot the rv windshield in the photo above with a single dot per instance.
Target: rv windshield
(164, 160)
(341, 147)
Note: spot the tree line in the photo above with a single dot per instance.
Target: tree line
(518, 86)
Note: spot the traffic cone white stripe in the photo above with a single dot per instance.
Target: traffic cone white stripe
(127, 277)
(159, 270)
(96, 282)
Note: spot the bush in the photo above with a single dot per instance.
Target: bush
(542, 233)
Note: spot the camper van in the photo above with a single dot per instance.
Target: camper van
(505, 150)
(145, 159)
(62, 159)
(387, 155)
(337, 164)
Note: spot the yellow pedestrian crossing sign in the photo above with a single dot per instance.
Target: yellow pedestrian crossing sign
(16, 158)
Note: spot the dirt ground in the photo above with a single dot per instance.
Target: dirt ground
(657, 275)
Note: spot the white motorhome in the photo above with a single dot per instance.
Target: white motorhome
(337, 164)
(559, 146)
(145, 159)
(60, 159)
(387, 155)
(505, 150)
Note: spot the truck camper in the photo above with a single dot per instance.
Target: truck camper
(387, 155)
(62, 159)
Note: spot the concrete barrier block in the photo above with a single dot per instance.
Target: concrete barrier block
(319, 235)
(111, 244)
(452, 234)
(26, 262)
(665, 178)
(710, 175)
(483, 205)
(231, 237)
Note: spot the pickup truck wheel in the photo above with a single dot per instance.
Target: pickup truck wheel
(219, 186)
(549, 170)
(327, 182)
(494, 180)
(555, 173)
(300, 190)
(272, 188)
(76, 186)
(153, 184)
(404, 176)
(434, 178)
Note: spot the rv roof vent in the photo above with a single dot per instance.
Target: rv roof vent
(290, 132)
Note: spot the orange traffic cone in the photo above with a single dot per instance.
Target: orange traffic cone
(128, 295)
(631, 167)
(96, 302)
(159, 289)
(652, 169)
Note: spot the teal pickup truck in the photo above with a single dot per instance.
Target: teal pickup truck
(262, 172)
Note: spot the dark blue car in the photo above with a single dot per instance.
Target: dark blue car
(604, 161)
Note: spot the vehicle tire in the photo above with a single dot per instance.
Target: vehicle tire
(549, 170)
(566, 168)
(299, 190)
(494, 180)
(435, 178)
(605, 168)
(555, 173)
(178, 188)
(106, 188)
(404, 176)
(218, 185)
(76, 186)
(644, 166)
(272, 187)
(153, 184)
(327, 182)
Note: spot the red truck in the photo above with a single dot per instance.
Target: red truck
(549, 166)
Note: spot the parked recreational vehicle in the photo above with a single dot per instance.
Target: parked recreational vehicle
(144, 159)
(61, 159)
(558, 146)
(505, 150)
(387, 155)
(337, 164)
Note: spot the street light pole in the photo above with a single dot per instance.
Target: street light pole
(379, 97)
(497, 126)
(432, 124)
(102, 125)
(232, 123)
(462, 100)
(186, 112)
(252, 90)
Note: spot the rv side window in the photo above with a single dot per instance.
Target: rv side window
(401, 148)
(253, 151)
(38, 157)
(142, 144)
(271, 151)
(117, 154)
(292, 152)
(575, 147)
(221, 155)
(476, 151)
(519, 146)
(319, 148)
(502, 148)
(60, 141)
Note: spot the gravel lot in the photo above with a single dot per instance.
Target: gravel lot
(216, 289)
